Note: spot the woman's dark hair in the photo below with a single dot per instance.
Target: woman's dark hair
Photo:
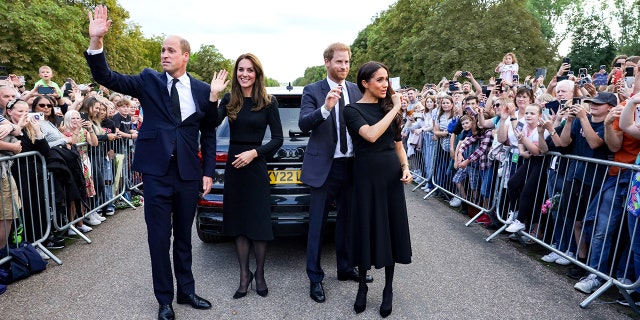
(52, 115)
(258, 93)
(365, 73)
(524, 90)
(87, 103)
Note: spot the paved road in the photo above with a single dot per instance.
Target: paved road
(455, 274)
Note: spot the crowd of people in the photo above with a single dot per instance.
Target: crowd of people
(454, 135)
(77, 130)
(463, 136)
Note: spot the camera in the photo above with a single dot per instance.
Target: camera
(618, 65)
(629, 71)
(464, 74)
(516, 78)
(582, 72)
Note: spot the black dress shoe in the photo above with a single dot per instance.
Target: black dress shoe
(316, 292)
(195, 301)
(353, 275)
(165, 312)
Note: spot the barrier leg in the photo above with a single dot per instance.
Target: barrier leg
(80, 234)
(475, 217)
(604, 287)
(48, 253)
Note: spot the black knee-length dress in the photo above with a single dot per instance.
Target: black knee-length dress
(378, 224)
(246, 207)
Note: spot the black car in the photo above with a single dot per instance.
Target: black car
(289, 196)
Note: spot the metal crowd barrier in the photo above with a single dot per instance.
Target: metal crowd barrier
(96, 159)
(26, 191)
(433, 166)
(562, 215)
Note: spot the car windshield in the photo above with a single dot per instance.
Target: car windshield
(289, 108)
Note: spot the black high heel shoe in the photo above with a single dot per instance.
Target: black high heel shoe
(361, 299)
(239, 294)
(387, 298)
(262, 293)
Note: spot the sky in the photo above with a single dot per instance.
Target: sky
(286, 35)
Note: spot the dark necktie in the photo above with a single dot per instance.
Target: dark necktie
(343, 127)
(175, 101)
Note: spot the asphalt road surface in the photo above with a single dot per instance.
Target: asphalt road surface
(455, 274)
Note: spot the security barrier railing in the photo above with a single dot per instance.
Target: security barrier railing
(578, 214)
(41, 200)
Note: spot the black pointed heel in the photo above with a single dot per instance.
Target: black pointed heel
(240, 294)
(361, 299)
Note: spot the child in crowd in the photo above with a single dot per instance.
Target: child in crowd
(46, 74)
(469, 131)
(108, 127)
(508, 67)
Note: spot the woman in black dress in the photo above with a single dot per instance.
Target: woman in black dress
(247, 209)
(378, 224)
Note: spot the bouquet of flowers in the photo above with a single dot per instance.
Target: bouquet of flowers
(550, 204)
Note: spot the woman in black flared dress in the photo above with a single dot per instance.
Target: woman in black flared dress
(378, 226)
(246, 209)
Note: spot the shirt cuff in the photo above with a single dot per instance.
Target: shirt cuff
(325, 112)
(94, 52)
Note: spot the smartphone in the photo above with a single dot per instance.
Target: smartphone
(136, 113)
(482, 104)
(57, 110)
(84, 116)
(470, 110)
(569, 72)
(541, 72)
(637, 114)
(464, 74)
(545, 114)
(560, 78)
(36, 116)
(452, 86)
(519, 126)
(45, 90)
(576, 101)
(629, 71)
(628, 81)
(617, 76)
(553, 105)
(566, 60)
(563, 104)
(516, 78)
(498, 81)
(617, 65)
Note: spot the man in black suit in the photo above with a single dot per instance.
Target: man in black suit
(177, 108)
(328, 162)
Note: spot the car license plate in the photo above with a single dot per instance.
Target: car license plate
(284, 176)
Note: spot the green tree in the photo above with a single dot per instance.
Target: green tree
(627, 16)
(425, 40)
(552, 15)
(311, 75)
(592, 43)
(270, 82)
(206, 61)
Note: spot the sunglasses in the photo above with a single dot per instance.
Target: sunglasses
(44, 105)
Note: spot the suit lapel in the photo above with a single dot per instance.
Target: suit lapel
(325, 91)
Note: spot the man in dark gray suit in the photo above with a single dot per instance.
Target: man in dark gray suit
(178, 110)
(328, 162)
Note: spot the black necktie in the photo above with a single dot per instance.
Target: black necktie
(343, 127)
(175, 101)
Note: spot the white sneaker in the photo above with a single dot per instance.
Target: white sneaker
(516, 226)
(84, 228)
(510, 217)
(99, 217)
(588, 284)
(71, 232)
(626, 281)
(563, 261)
(551, 257)
(455, 202)
(110, 212)
(42, 254)
(91, 220)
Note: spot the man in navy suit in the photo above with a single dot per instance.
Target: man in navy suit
(328, 162)
(177, 108)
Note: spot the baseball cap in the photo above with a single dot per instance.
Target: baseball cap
(604, 98)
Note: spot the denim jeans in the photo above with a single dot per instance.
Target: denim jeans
(555, 184)
(634, 235)
(428, 149)
(603, 216)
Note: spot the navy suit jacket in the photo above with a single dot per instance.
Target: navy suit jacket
(161, 133)
(318, 156)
